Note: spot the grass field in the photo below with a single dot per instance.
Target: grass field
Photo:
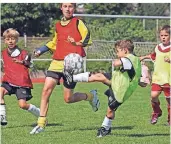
(77, 123)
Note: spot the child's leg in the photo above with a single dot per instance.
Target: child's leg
(155, 103)
(99, 77)
(168, 108)
(24, 94)
(107, 122)
(31, 108)
(166, 91)
(3, 91)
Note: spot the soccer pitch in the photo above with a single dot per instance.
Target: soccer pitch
(77, 123)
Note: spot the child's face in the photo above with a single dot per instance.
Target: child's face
(67, 10)
(164, 37)
(10, 42)
(121, 52)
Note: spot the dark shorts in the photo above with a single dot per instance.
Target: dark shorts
(58, 76)
(108, 75)
(20, 92)
(112, 103)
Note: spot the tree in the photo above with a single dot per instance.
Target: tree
(32, 18)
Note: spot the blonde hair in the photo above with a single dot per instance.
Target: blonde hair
(11, 33)
(125, 44)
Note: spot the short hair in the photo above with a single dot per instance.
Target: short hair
(166, 28)
(11, 33)
(125, 44)
(74, 4)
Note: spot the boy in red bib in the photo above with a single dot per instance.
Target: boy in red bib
(16, 79)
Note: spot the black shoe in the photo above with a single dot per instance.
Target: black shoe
(68, 75)
(103, 132)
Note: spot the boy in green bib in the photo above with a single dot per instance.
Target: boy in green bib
(122, 83)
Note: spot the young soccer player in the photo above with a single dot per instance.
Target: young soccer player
(16, 79)
(161, 75)
(123, 83)
(70, 37)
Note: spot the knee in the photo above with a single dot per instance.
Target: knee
(68, 100)
(3, 91)
(23, 106)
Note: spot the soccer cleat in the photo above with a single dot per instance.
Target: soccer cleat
(68, 75)
(37, 129)
(103, 132)
(155, 117)
(3, 120)
(95, 103)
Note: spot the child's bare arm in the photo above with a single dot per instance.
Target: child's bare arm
(145, 57)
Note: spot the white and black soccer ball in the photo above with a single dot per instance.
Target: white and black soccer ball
(73, 61)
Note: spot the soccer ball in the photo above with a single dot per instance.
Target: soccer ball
(73, 61)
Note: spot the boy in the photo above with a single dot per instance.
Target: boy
(161, 75)
(16, 79)
(123, 82)
(70, 37)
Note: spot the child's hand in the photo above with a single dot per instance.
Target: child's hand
(17, 61)
(166, 59)
(71, 40)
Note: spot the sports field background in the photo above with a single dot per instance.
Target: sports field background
(77, 123)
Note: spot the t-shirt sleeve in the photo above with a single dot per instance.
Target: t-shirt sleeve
(126, 63)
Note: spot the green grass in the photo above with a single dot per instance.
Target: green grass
(77, 123)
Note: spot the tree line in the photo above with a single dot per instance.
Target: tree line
(38, 19)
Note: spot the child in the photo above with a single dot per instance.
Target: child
(161, 75)
(16, 78)
(145, 75)
(71, 36)
(123, 82)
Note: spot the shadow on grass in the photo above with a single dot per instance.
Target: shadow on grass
(95, 128)
(33, 125)
(139, 135)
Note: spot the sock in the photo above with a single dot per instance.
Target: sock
(41, 121)
(2, 109)
(156, 107)
(107, 123)
(82, 77)
(34, 110)
(89, 96)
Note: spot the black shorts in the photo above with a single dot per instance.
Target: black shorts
(20, 92)
(112, 103)
(58, 76)
(108, 75)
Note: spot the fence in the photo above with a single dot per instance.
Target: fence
(102, 47)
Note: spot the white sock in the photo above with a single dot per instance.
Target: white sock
(82, 77)
(107, 123)
(34, 110)
(2, 109)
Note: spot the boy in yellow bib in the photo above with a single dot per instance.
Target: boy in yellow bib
(161, 75)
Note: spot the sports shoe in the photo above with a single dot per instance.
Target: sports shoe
(155, 117)
(103, 132)
(95, 103)
(37, 130)
(68, 75)
(3, 120)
